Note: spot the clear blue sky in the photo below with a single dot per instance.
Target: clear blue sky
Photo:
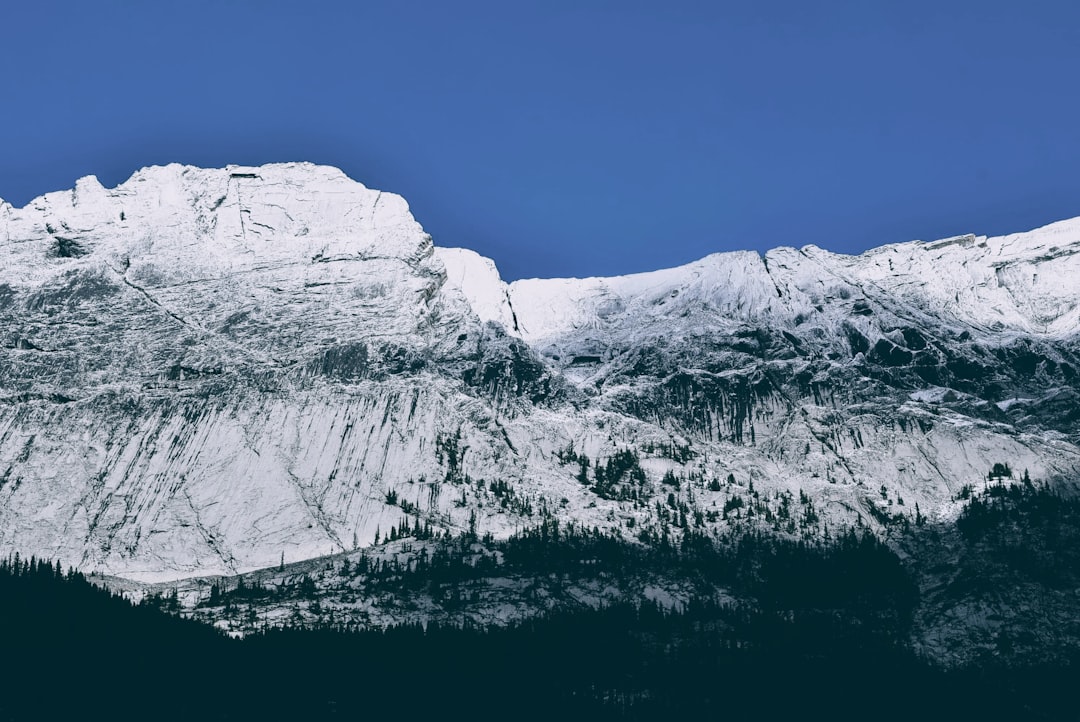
(576, 138)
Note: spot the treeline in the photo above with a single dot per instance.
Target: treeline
(854, 572)
(81, 652)
(1004, 511)
(1027, 531)
(70, 649)
(43, 607)
(821, 631)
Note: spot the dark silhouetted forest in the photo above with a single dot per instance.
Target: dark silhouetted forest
(823, 636)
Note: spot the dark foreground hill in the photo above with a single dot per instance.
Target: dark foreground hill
(828, 634)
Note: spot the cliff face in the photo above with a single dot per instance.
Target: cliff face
(204, 370)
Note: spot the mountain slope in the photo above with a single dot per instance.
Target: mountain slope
(204, 371)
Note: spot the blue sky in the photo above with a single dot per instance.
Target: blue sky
(576, 138)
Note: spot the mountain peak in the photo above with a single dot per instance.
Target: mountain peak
(201, 369)
(195, 220)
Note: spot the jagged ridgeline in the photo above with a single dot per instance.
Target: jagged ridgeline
(205, 371)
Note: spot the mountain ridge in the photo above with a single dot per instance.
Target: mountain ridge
(206, 370)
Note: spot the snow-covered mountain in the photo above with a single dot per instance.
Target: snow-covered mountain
(204, 371)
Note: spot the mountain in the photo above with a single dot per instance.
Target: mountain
(211, 371)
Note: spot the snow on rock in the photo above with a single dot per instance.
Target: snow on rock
(203, 370)
(479, 280)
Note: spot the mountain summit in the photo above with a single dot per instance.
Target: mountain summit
(204, 371)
